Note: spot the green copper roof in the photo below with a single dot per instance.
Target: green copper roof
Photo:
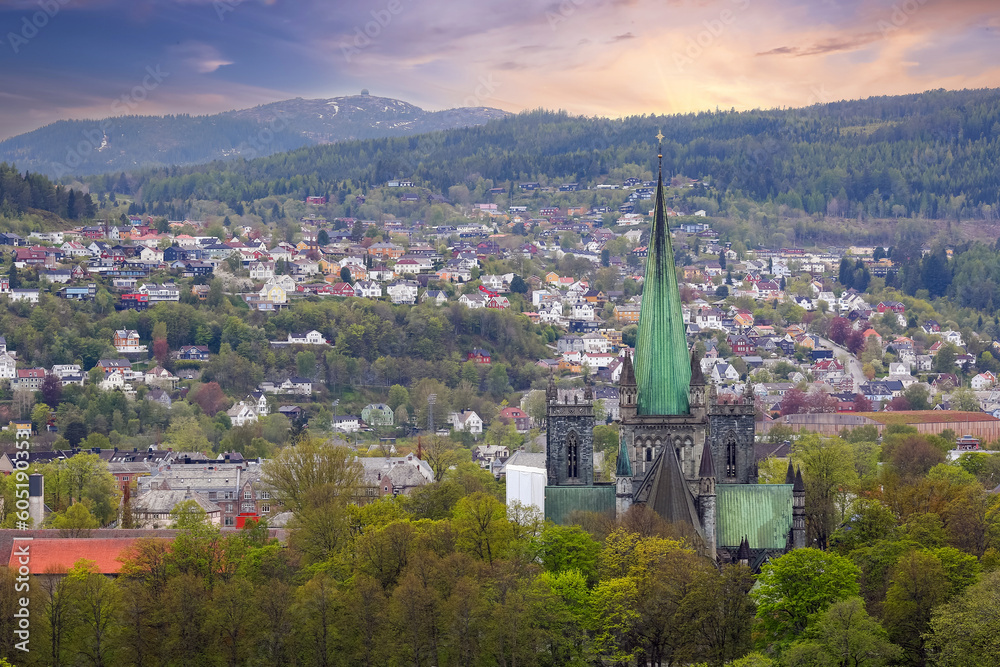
(562, 501)
(761, 512)
(624, 468)
(662, 366)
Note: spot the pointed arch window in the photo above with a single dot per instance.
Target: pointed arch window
(572, 455)
(731, 456)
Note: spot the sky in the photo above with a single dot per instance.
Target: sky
(62, 59)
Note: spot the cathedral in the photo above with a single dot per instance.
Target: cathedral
(685, 452)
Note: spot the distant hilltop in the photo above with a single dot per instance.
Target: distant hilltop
(83, 147)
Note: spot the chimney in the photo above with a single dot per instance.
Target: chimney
(36, 500)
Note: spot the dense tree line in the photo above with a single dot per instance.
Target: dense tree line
(930, 155)
(19, 193)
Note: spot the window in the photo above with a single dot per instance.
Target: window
(212, 495)
(229, 521)
(229, 507)
(265, 495)
(573, 455)
(248, 508)
(248, 495)
(731, 456)
(264, 509)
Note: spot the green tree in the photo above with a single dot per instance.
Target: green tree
(75, 521)
(848, 637)
(187, 514)
(918, 584)
(966, 631)
(799, 584)
(829, 473)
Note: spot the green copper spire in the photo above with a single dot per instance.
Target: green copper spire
(662, 366)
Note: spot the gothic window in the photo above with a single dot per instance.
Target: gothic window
(731, 455)
(649, 453)
(573, 455)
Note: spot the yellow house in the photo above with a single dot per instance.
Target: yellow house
(552, 277)
(328, 267)
(274, 293)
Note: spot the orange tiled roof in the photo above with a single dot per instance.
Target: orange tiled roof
(62, 552)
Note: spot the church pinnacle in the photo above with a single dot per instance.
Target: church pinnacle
(662, 365)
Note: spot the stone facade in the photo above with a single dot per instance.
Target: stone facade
(569, 440)
(731, 429)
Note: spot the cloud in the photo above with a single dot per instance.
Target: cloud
(202, 58)
(823, 47)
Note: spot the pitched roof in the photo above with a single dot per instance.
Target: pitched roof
(760, 512)
(59, 554)
(669, 495)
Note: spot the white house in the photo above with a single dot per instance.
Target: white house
(466, 420)
(261, 271)
(242, 414)
(583, 311)
(309, 338)
(724, 372)
(347, 423)
(368, 289)
(8, 366)
(983, 381)
(404, 291)
(473, 301)
(258, 400)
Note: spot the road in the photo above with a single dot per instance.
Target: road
(851, 363)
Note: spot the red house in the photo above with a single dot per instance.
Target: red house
(894, 306)
(342, 289)
(479, 356)
(516, 416)
(319, 201)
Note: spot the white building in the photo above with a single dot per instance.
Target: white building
(242, 414)
(466, 420)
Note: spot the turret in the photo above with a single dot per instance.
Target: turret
(706, 499)
(798, 511)
(696, 388)
(623, 479)
(743, 554)
(628, 390)
(550, 392)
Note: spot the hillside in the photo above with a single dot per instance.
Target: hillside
(81, 147)
(934, 155)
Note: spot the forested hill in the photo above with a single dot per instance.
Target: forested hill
(933, 154)
(81, 147)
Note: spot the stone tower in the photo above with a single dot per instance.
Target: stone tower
(706, 502)
(798, 512)
(569, 439)
(730, 438)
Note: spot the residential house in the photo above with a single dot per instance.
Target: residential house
(126, 341)
(516, 416)
(377, 414)
(28, 379)
(479, 355)
(308, 338)
(367, 289)
(466, 420)
(193, 353)
(403, 291)
(242, 414)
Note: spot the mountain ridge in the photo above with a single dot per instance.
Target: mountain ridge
(92, 146)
